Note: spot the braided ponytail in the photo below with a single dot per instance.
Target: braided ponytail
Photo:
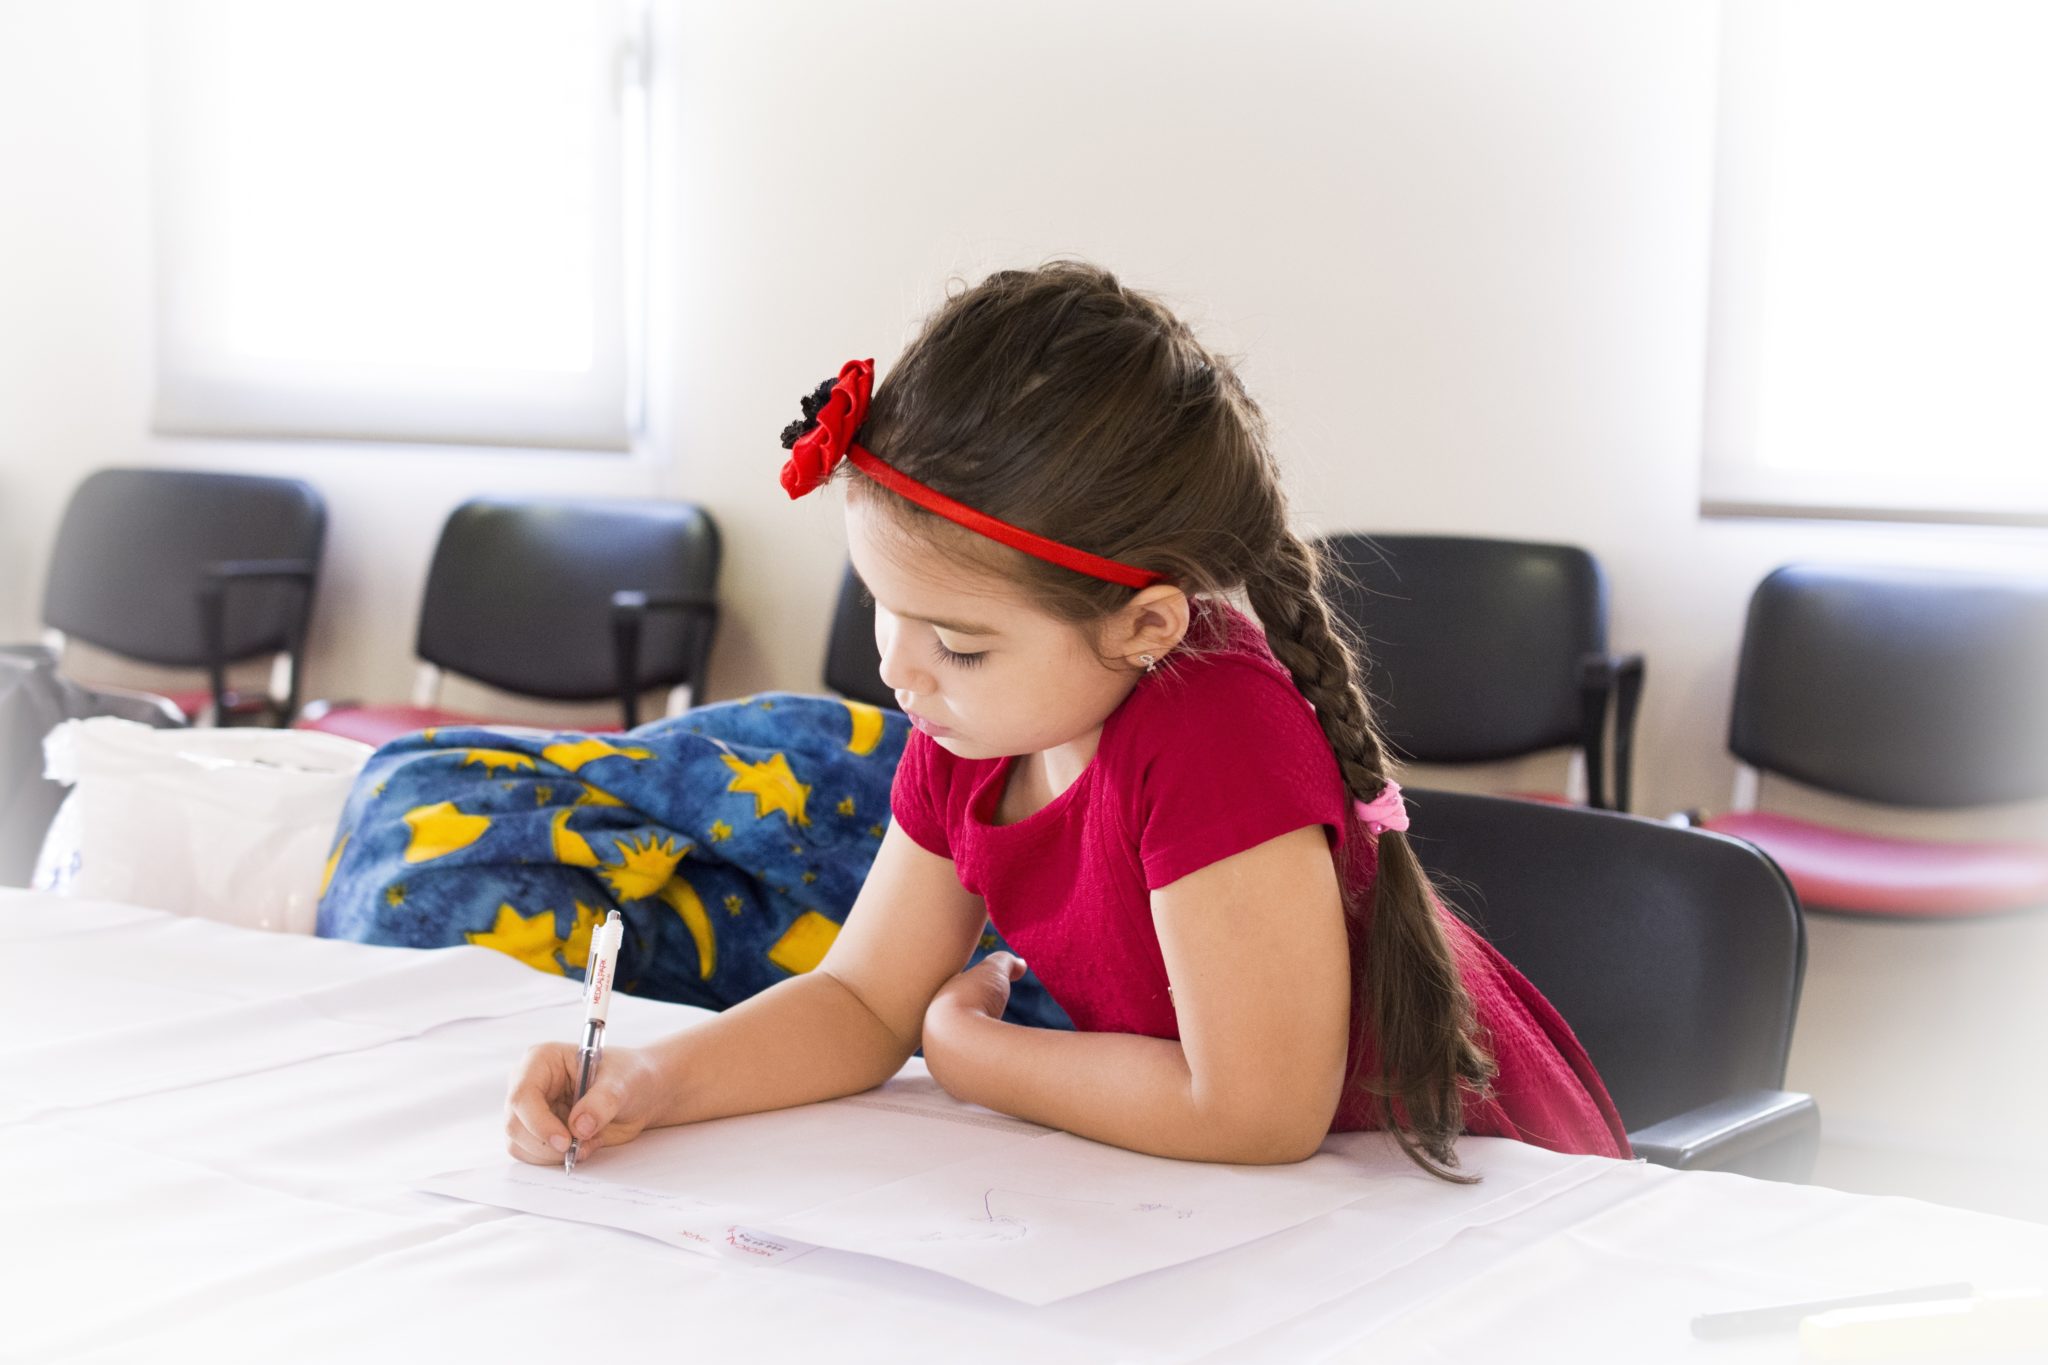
(1409, 999)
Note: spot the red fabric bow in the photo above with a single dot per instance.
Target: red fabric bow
(818, 451)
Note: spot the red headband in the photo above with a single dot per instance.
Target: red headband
(818, 451)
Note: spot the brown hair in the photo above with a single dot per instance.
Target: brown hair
(1061, 401)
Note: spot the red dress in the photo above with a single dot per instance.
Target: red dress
(1214, 754)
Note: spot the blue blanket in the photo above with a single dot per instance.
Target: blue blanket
(732, 839)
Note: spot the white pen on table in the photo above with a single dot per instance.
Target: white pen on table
(597, 1001)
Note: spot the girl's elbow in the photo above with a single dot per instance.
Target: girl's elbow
(1270, 1139)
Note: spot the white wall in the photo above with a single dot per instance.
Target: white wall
(1461, 248)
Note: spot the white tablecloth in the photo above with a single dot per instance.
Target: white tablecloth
(211, 1138)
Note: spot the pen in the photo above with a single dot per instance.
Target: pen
(1786, 1315)
(597, 1001)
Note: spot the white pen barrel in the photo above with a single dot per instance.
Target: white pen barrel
(603, 962)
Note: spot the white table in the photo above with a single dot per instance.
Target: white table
(211, 1135)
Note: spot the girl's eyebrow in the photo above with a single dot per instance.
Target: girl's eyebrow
(957, 627)
(954, 626)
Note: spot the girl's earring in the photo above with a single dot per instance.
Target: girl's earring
(1149, 662)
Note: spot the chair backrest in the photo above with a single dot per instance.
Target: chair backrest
(853, 666)
(1911, 687)
(1473, 645)
(134, 545)
(1675, 954)
(519, 592)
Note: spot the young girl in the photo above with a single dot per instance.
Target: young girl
(1184, 821)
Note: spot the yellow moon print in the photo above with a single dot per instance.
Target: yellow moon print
(570, 847)
(682, 898)
(440, 829)
(867, 727)
(333, 861)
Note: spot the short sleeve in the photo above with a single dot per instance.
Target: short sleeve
(916, 798)
(1233, 758)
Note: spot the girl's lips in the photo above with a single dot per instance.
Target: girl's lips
(935, 731)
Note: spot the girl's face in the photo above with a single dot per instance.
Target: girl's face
(973, 663)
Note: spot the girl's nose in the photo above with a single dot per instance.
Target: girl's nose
(901, 673)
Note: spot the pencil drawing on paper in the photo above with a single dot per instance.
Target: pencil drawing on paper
(1006, 1224)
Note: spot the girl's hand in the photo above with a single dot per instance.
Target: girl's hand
(983, 988)
(538, 1113)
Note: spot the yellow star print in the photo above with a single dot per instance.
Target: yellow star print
(441, 829)
(576, 948)
(494, 759)
(733, 905)
(720, 831)
(846, 805)
(803, 945)
(530, 938)
(772, 785)
(574, 756)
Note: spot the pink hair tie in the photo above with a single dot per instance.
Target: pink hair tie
(1385, 811)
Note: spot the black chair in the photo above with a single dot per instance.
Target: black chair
(34, 700)
(1908, 688)
(1481, 650)
(853, 665)
(1675, 955)
(189, 569)
(562, 600)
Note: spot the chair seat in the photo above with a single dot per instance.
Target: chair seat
(379, 725)
(192, 702)
(1865, 874)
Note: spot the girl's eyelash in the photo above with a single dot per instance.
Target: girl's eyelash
(947, 656)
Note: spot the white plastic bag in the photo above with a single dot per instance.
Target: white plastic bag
(231, 825)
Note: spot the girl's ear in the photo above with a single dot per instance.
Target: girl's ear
(1152, 623)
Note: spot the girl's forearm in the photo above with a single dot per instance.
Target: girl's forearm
(802, 1040)
(1120, 1088)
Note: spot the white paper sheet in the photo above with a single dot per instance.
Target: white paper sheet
(911, 1175)
(1063, 1215)
(711, 1187)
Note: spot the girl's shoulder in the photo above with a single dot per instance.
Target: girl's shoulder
(1218, 751)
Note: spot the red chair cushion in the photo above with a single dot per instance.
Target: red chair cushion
(380, 725)
(1864, 874)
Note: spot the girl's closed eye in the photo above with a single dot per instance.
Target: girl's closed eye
(947, 656)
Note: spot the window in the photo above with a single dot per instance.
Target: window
(414, 220)
(1879, 320)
